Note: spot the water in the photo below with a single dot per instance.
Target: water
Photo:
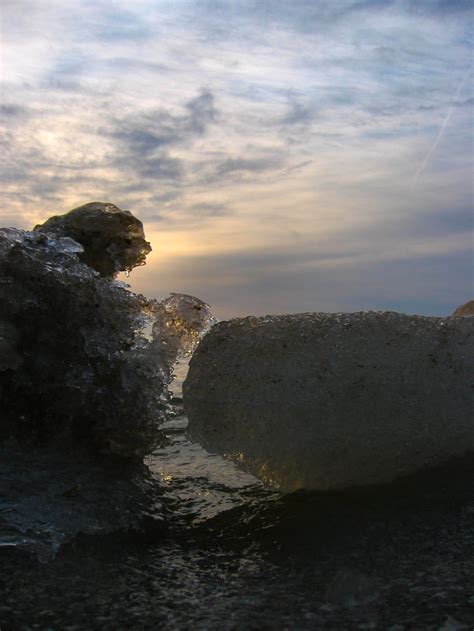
(205, 483)
(231, 553)
(237, 555)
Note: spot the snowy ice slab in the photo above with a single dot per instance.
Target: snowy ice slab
(325, 401)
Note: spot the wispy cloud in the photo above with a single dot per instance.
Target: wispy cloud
(240, 127)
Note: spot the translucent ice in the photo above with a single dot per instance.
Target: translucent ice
(112, 239)
(76, 368)
(465, 310)
(85, 366)
(327, 401)
(180, 321)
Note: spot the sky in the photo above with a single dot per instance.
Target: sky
(283, 155)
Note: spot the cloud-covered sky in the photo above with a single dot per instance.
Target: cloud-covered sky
(283, 155)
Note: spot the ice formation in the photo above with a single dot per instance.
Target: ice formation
(48, 497)
(76, 366)
(465, 310)
(112, 239)
(327, 401)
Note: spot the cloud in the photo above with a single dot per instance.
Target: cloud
(108, 149)
(145, 139)
(150, 130)
(289, 129)
(298, 114)
(154, 168)
(119, 24)
(209, 209)
(13, 110)
(247, 165)
(447, 8)
(202, 112)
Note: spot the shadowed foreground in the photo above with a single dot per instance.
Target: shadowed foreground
(402, 555)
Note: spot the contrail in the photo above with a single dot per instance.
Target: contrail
(422, 166)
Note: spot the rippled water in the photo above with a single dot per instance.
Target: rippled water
(237, 555)
(205, 484)
(47, 500)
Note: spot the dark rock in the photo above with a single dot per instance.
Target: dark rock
(77, 370)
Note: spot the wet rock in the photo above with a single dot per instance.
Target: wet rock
(112, 239)
(328, 401)
(9, 356)
(465, 310)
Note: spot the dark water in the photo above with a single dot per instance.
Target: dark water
(236, 555)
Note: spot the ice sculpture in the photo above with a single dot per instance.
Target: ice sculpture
(325, 401)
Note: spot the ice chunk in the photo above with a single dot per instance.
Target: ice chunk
(113, 239)
(465, 310)
(180, 322)
(327, 401)
(76, 369)
(85, 366)
(47, 499)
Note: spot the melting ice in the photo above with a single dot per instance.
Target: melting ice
(78, 374)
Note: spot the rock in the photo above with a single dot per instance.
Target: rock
(465, 310)
(113, 239)
(329, 401)
(9, 356)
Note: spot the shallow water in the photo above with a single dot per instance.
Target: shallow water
(237, 555)
(205, 484)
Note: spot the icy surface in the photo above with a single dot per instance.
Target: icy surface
(76, 366)
(465, 310)
(112, 239)
(334, 400)
(85, 370)
(46, 500)
(179, 323)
